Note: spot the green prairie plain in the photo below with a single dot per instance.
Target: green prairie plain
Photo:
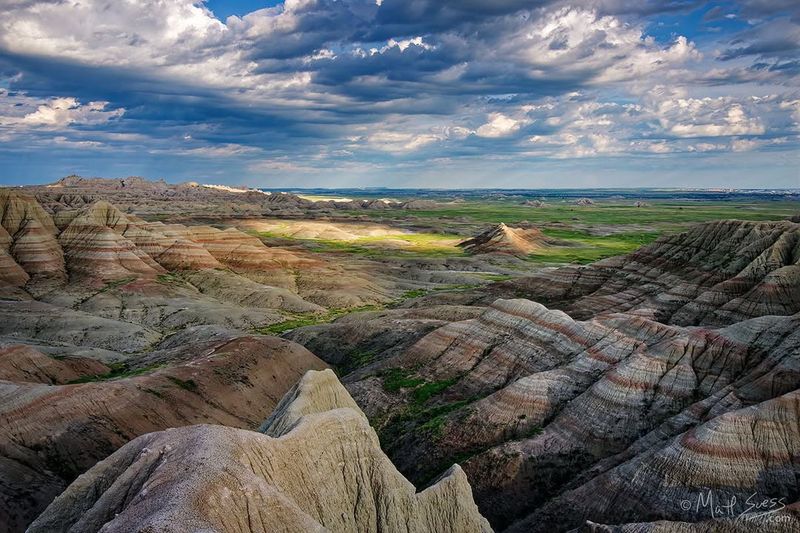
(583, 233)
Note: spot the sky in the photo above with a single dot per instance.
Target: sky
(403, 93)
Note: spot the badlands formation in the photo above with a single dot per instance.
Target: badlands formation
(142, 389)
(655, 379)
(112, 327)
(315, 465)
(504, 240)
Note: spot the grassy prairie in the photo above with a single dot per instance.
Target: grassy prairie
(399, 244)
(616, 228)
(622, 227)
(668, 213)
(587, 248)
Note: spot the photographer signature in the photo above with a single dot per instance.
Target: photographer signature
(754, 506)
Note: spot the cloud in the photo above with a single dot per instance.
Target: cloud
(218, 150)
(779, 38)
(715, 13)
(363, 86)
(57, 113)
(707, 117)
(577, 42)
(62, 141)
(499, 125)
(393, 141)
(664, 121)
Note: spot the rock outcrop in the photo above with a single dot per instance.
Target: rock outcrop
(37, 251)
(95, 246)
(23, 364)
(141, 196)
(714, 274)
(10, 271)
(534, 203)
(597, 398)
(506, 240)
(318, 468)
(52, 433)
(520, 380)
(28, 246)
(743, 459)
(667, 364)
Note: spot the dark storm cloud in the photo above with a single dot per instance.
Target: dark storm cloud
(403, 16)
(314, 26)
(777, 46)
(767, 8)
(776, 38)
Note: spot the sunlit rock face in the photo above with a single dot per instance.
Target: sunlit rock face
(505, 240)
(28, 246)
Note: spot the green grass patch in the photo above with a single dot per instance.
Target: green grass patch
(414, 293)
(424, 392)
(583, 248)
(300, 320)
(168, 279)
(358, 359)
(437, 416)
(414, 417)
(434, 426)
(495, 277)
(666, 212)
(658, 217)
(292, 323)
(395, 379)
(113, 284)
(415, 245)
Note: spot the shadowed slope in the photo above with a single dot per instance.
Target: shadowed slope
(565, 400)
(714, 274)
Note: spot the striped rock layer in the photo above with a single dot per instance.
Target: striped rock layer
(10, 272)
(319, 467)
(714, 274)
(93, 244)
(24, 364)
(742, 462)
(52, 431)
(28, 245)
(554, 403)
(506, 240)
